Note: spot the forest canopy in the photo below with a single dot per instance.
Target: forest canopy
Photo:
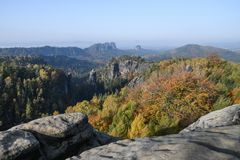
(175, 94)
(29, 90)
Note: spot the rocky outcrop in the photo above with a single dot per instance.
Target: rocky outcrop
(209, 142)
(214, 136)
(18, 144)
(120, 71)
(188, 68)
(224, 117)
(114, 71)
(53, 137)
(126, 67)
(135, 81)
(93, 76)
(58, 134)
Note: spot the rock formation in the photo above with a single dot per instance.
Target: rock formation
(18, 144)
(93, 76)
(135, 81)
(53, 137)
(100, 48)
(211, 144)
(189, 68)
(214, 136)
(208, 142)
(125, 67)
(224, 117)
(114, 72)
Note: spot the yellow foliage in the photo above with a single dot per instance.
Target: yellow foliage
(43, 73)
(69, 110)
(138, 127)
(56, 113)
(167, 101)
(236, 95)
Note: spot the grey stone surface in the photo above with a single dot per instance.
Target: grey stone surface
(135, 81)
(53, 137)
(124, 66)
(58, 134)
(98, 139)
(57, 126)
(215, 136)
(208, 144)
(17, 143)
(224, 117)
(189, 68)
(93, 76)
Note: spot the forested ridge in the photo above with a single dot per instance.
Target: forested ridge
(170, 95)
(175, 94)
(30, 90)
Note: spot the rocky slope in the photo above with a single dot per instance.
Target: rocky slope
(54, 137)
(124, 68)
(119, 72)
(215, 136)
(215, 143)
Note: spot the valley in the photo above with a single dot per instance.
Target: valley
(119, 80)
(124, 97)
(124, 91)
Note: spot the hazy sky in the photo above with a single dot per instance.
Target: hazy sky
(151, 23)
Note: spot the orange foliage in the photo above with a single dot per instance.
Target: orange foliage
(236, 95)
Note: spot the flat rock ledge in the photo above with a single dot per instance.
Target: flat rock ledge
(224, 117)
(214, 136)
(53, 137)
(19, 144)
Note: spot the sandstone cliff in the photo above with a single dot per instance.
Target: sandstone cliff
(124, 68)
(54, 137)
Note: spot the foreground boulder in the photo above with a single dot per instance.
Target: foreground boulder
(53, 137)
(211, 144)
(224, 117)
(214, 136)
(59, 134)
(18, 144)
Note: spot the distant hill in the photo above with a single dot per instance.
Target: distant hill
(102, 48)
(103, 51)
(194, 50)
(96, 52)
(100, 52)
(46, 51)
(139, 51)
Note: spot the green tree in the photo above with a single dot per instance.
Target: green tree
(29, 110)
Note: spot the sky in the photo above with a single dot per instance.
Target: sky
(150, 23)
